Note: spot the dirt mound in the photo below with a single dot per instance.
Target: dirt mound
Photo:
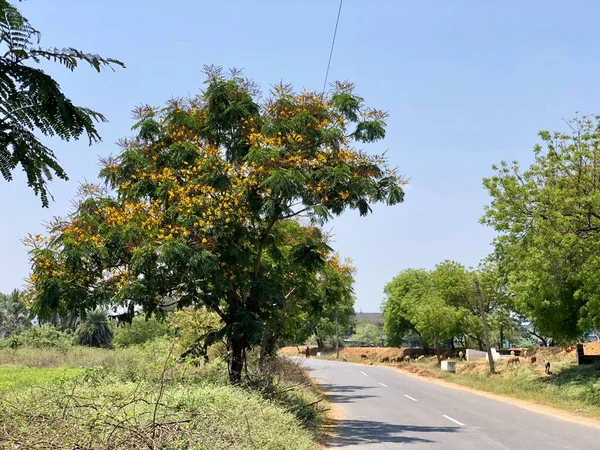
(592, 348)
(374, 354)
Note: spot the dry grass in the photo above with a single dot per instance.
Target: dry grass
(129, 399)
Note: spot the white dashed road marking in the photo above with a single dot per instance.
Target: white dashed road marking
(364, 373)
(455, 421)
(384, 385)
(413, 399)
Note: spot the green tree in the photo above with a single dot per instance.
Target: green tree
(199, 193)
(435, 320)
(313, 288)
(192, 327)
(96, 330)
(441, 305)
(548, 218)
(31, 102)
(367, 333)
(402, 293)
(454, 283)
(140, 330)
(14, 315)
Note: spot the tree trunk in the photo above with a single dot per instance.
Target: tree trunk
(238, 358)
(438, 350)
(423, 344)
(541, 338)
(320, 344)
(501, 336)
(267, 346)
(486, 332)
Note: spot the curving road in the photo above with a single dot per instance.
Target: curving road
(384, 409)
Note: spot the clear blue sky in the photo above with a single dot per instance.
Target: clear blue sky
(467, 84)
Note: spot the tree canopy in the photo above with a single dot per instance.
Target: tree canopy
(31, 102)
(196, 202)
(13, 313)
(367, 333)
(441, 305)
(548, 217)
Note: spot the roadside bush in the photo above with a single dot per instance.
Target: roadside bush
(191, 408)
(139, 331)
(191, 325)
(45, 336)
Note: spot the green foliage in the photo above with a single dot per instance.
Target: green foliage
(441, 304)
(548, 217)
(31, 102)
(12, 378)
(115, 399)
(139, 331)
(199, 202)
(96, 330)
(13, 314)
(398, 306)
(316, 288)
(367, 333)
(39, 337)
(193, 327)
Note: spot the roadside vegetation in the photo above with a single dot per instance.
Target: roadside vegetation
(142, 396)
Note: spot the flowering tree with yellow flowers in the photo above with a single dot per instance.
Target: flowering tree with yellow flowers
(313, 288)
(195, 206)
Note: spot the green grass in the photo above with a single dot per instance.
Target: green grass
(97, 399)
(15, 377)
(570, 387)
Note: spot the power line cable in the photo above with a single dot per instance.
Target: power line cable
(332, 45)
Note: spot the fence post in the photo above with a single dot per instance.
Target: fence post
(580, 359)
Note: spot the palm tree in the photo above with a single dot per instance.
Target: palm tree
(95, 331)
(13, 313)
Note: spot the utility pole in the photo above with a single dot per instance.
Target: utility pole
(486, 331)
(337, 335)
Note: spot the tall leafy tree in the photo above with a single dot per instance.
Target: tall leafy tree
(199, 194)
(548, 218)
(31, 102)
(14, 314)
(441, 305)
(397, 307)
(367, 333)
(414, 303)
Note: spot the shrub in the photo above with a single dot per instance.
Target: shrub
(192, 325)
(95, 331)
(39, 337)
(139, 331)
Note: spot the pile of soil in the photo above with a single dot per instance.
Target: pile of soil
(592, 348)
(374, 354)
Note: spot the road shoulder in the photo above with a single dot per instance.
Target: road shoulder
(530, 406)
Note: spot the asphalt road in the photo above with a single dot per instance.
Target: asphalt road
(383, 409)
